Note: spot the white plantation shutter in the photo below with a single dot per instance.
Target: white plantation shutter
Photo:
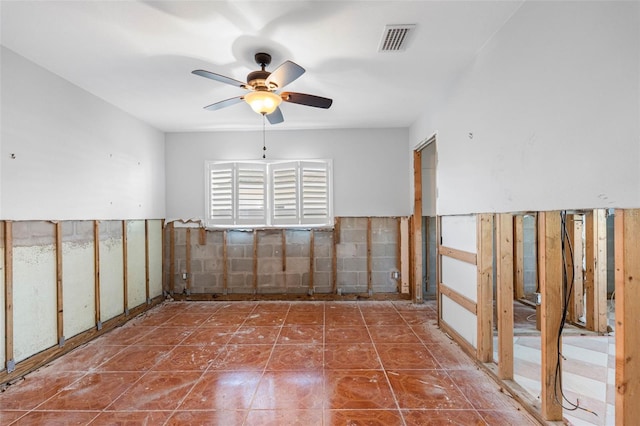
(251, 194)
(284, 178)
(315, 192)
(220, 177)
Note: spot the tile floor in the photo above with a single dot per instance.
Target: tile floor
(266, 363)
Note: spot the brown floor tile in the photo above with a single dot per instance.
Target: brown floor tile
(380, 318)
(284, 418)
(415, 317)
(210, 336)
(85, 358)
(290, 390)
(223, 318)
(243, 357)
(512, 417)
(309, 334)
(95, 391)
(189, 319)
(358, 389)
(296, 357)
(189, 358)
(355, 356)
(265, 318)
(480, 390)
(428, 333)
(136, 358)
(36, 388)
(393, 334)
(220, 390)
(362, 417)
(207, 418)
(110, 418)
(123, 336)
(445, 417)
(156, 317)
(57, 418)
(316, 318)
(249, 334)
(406, 356)
(165, 336)
(344, 320)
(7, 417)
(348, 335)
(157, 390)
(426, 389)
(280, 307)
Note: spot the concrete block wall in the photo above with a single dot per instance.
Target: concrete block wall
(290, 275)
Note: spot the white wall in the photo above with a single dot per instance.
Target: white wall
(371, 168)
(76, 156)
(553, 104)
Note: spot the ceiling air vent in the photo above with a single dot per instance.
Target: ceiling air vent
(395, 37)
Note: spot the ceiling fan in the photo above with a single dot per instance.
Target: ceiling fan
(264, 87)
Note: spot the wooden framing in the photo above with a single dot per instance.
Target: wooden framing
(627, 259)
(485, 287)
(188, 261)
(202, 236)
(460, 299)
(312, 244)
(504, 293)
(147, 260)
(59, 290)
(8, 295)
(405, 259)
(255, 261)
(518, 257)
(369, 259)
(125, 268)
(399, 253)
(96, 271)
(225, 263)
(335, 236)
(595, 283)
(439, 268)
(416, 228)
(550, 266)
(461, 255)
(172, 258)
(577, 302)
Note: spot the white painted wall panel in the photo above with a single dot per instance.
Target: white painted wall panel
(78, 291)
(155, 258)
(34, 300)
(459, 232)
(460, 276)
(136, 263)
(111, 279)
(460, 320)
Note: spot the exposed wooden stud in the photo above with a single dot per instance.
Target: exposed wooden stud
(125, 268)
(96, 270)
(59, 294)
(164, 256)
(398, 253)
(403, 243)
(417, 227)
(504, 293)
(188, 261)
(550, 260)
(8, 296)
(578, 272)
(284, 250)
(569, 260)
(225, 263)
(460, 299)
(518, 257)
(147, 277)
(438, 267)
(596, 270)
(627, 316)
(463, 256)
(311, 259)
(485, 287)
(334, 256)
(202, 237)
(369, 259)
(427, 265)
(411, 259)
(172, 258)
(255, 261)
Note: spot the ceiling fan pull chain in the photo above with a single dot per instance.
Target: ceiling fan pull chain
(264, 143)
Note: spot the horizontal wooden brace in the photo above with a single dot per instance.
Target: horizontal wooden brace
(461, 255)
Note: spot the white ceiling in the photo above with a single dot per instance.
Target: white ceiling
(138, 55)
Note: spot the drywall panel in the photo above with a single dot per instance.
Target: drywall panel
(136, 263)
(370, 167)
(3, 335)
(519, 125)
(34, 299)
(461, 277)
(155, 258)
(78, 291)
(459, 232)
(85, 158)
(111, 270)
(460, 320)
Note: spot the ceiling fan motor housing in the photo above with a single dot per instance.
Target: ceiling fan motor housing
(256, 79)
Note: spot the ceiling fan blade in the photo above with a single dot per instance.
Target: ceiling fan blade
(308, 100)
(224, 104)
(285, 74)
(275, 117)
(220, 78)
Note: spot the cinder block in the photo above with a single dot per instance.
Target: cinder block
(354, 236)
(355, 264)
(242, 265)
(265, 250)
(234, 252)
(205, 280)
(379, 264)
(323, 264)
(269, 266)
(345, 279)
(344, 250)
(297, 264)
(293, 280)
(213, 265)
(240, 237)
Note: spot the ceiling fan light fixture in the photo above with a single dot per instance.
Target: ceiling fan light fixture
(262, 101)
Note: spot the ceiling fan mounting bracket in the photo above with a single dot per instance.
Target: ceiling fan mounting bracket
(262, 59)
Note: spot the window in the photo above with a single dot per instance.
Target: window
(280, 193)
